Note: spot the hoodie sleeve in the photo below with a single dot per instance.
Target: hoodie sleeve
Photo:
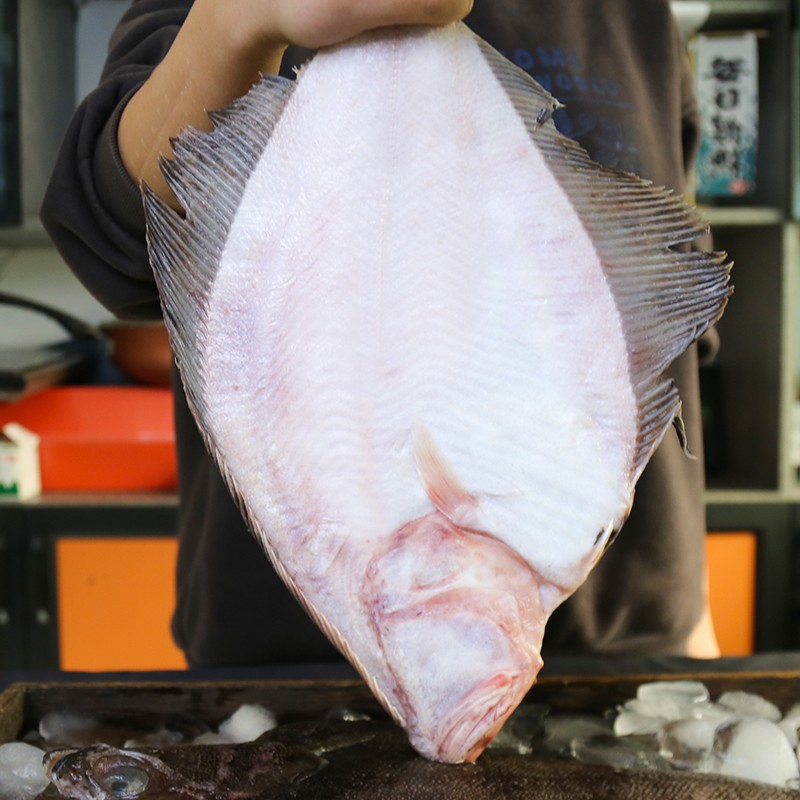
(92, 209)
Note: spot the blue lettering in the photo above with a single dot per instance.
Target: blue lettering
(563, 74)
(564, 82)
(573, 62)
(582, 84)
(524, 59)
(551, 58)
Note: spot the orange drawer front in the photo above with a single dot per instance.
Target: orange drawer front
(115, 601)
(732, 582)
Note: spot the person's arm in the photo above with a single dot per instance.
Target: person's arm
(224, 45)
(92, 209)
(162, 73)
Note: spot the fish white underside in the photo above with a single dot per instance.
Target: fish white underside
(414, 322)
(405, 278)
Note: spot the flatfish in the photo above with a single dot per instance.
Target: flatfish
(361, 761)
(424, 337)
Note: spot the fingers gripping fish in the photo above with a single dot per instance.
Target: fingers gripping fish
(424, 337)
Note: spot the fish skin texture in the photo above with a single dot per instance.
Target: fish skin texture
(423, 335)
(365, 760)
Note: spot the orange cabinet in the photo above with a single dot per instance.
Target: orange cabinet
(116, 595)
(732, 584)
(115, 598)
(87, 583)
(754, 566)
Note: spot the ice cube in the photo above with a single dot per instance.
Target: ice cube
(632, 723)
(793, 713)
(756, 749)
(163, 737)
(746, 704)
(714, 713)
(346, 714)
(668, 699)
(623, 753)
(562, 729)
(210, 737)
(790, 727)
(687, 743)
(520, 730)
(247, 723)
(22, 774)
(66, 727)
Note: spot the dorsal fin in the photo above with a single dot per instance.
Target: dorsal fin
(635, 228)
(209, 173)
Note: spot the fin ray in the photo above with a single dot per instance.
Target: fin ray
(441, 483)
(209, 172)
(635, 228)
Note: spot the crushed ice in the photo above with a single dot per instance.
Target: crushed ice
(669, 725)
(675, 725)
(21, 771)
(246, 724)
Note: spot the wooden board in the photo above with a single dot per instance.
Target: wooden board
(180, 704)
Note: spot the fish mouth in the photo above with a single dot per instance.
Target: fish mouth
(56, 761)
(465, 733)
(61, 770)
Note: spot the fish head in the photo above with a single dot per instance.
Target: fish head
(257, 769)
(459, 617)
(105, 773)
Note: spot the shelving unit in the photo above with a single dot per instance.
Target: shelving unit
(752, 390)
(755, 383)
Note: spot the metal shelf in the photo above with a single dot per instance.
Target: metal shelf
(740, 7)
(29, 234)
(741, 215)
(747, 497)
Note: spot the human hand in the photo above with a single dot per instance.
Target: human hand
(317, 23)
(222, 47)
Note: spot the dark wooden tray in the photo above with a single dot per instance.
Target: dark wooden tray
(177, 703)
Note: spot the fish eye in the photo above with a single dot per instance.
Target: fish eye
(124, 782)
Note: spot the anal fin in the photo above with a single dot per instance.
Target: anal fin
(441, 483)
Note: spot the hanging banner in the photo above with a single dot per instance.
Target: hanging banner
(726, 73)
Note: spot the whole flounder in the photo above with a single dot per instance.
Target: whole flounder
(424, 336)
(363, 761)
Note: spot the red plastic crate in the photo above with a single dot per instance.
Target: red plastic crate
(101, 438)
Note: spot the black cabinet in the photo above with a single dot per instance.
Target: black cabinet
(29, 532)
(777, 601)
